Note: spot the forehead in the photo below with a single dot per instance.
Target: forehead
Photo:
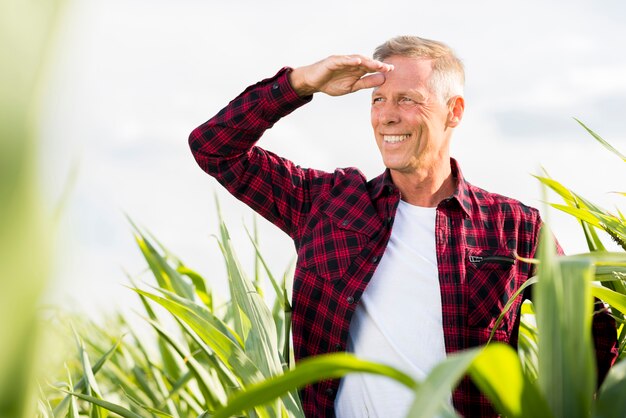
(408, 74)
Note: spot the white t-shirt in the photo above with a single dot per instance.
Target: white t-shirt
(398, 320)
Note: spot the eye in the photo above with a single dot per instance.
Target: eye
(377, 99)
(406, 100)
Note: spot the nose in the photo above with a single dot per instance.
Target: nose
(389, 114)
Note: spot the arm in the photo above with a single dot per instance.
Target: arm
(224, 148)
(274, 187)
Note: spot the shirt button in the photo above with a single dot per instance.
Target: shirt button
(350, 300)
(389, 189)
(345, 222)
(375, 259)
(275, 86)
(389, 220)
(338, 347)
(330, 391)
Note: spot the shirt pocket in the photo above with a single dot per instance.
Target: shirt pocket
(491, 282)
(333, 240)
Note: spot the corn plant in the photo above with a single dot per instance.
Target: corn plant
(233, 358)
(206, 359)
(203, 366)
(611, 286)
(25, 29)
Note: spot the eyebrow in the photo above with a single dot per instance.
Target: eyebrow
(418, 94)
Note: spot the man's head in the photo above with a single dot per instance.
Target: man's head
(447, 78)
(415, 110)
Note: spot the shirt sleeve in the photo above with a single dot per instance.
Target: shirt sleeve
(224, 147)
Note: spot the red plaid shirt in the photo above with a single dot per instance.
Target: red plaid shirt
(341, 223)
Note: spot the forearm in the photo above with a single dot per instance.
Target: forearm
(224, 148)
(238, 126)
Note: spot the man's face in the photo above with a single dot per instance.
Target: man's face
(410, 124)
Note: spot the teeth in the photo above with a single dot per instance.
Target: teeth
(394, 138)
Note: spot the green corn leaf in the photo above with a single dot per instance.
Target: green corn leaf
(255, 243)
(433, 394)
(497, 371)
(527, 347)
(213, 393)
(44, 404)
(227, 379)
(261, 343)
(591, 236)
(145, 407)
(509, 303)
(123, 381)
(73, 407)
(229, 352)
(234, 313)
(563, 305)
(579, 213)
(615, 299)
(561, 190)
(27, 31)
(81, 384)
(117, 409)
(191, 401)
(144, 384)
(198, 310)
(171, 366)
(91, 383)
(198, 281)
(602, 141)
(261, 260)
(611, 401)
(328, 366)
(158, 378)
(166, 276)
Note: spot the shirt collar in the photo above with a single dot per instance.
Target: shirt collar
(383, 184)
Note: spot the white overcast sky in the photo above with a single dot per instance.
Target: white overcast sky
(132, 78)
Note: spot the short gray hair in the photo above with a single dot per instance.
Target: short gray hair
(448, 77)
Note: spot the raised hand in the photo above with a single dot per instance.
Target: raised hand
(338, 75)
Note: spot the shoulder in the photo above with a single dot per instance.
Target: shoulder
(496, 203)
(340, 178)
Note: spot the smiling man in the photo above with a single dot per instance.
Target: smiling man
(401, 269)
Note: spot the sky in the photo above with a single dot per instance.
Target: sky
(129, 80)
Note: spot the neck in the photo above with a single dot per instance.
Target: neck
(425, 187)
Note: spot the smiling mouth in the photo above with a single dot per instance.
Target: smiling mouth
(394, 139)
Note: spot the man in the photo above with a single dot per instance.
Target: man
(404, 268)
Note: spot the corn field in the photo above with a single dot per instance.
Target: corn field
(219, 358)
(201, 354)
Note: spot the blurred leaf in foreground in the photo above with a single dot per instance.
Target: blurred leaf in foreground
(25, 29)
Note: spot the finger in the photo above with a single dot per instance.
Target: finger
(345, 61)
(369, 81)
(372, 65)
(365, 64)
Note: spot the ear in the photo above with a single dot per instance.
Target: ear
(456, 107)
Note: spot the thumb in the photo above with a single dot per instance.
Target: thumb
(369, 81)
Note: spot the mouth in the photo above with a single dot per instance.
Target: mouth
(394, 139)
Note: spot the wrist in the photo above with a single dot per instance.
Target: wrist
(298, 83)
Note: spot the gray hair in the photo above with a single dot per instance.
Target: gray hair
(448, 77)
